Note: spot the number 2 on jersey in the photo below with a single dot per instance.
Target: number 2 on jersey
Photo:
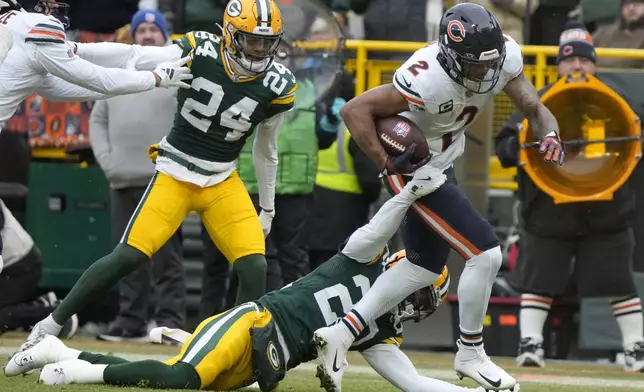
(468, 114)
(420, 65)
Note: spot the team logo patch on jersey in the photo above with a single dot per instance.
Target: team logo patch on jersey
(273, 357)
(456, 30)
(446, 107)
(234, 8)
(402, 129)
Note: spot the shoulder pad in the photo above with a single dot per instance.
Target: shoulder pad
(413, 79)
(513, 65)
(46, 30)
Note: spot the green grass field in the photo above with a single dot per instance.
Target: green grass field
(556, 377)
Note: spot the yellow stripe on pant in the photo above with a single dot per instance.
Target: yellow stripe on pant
(220, 348)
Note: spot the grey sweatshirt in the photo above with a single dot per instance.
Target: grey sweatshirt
(121, 129)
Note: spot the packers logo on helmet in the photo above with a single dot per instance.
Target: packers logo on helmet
(252, 32)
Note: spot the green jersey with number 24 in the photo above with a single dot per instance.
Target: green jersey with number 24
(220, 110)
(320, 298)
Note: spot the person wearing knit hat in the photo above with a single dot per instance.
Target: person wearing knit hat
(576, 41)
(549, 252)
(148, 27)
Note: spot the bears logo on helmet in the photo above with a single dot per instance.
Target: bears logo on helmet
(456, 30)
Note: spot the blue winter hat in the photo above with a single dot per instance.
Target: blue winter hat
(149, 16)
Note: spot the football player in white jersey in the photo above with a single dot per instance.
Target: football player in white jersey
(442, 88)
(39, 59)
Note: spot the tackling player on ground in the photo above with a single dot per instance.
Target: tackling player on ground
(237, 89)
(442, 88)
(261, 340)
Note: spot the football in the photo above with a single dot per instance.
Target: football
(396, 133)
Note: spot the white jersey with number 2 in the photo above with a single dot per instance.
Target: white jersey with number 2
(442, 108)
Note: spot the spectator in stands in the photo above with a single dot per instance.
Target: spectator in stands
(121, 130)
(596, 235)
(21, 305)
(392, 20)
(511, 14)
(626, 32)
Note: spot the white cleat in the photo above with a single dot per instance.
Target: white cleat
(48, 350)
(53, 374)
(332, 354)
(474, 363)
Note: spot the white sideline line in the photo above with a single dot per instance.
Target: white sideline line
(447, 375)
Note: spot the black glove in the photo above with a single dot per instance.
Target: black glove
(553, 148)
(401, 163)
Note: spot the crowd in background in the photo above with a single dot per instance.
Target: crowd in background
(319, 201)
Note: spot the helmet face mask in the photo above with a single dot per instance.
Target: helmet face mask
(252, 33)
(424, 302)
(54, 8)
(472, 47)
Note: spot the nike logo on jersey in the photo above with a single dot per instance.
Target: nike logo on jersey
(407, 83)
(495, 384)
(337, 369)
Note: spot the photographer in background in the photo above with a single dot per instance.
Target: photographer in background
(593, 239)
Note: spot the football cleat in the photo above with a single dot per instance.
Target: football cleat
(634, 358)
(530, 353)
(48, 350)
(332, 353)
(473, 362)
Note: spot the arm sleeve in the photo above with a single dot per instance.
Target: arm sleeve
(393, 365)
(56, 89)
(366, 243)
(115, 55)
(59, 60)
(99, 135)
(506, 142)
(265, 160)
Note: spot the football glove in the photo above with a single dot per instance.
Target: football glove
(401, 163)
(173, 74)
(266, 219)
(553, 148)
(426, 180)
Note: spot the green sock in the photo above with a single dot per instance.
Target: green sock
(153, 374)
(251, 274)
(98, 279)
(100, 359)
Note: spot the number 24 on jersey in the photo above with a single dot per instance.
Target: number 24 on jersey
(237, 117)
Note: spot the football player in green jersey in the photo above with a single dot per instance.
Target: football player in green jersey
(237, 89)
(261, 340)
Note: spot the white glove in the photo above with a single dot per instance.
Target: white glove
(173, 74)
(266, 219)
(426, 180)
